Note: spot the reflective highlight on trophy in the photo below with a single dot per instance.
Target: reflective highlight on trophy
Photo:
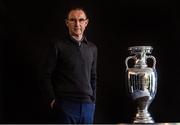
(141, 81)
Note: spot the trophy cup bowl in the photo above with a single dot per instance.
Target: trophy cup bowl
(141, 81)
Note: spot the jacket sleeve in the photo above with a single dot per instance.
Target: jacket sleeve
(46, 72)
(94, 74)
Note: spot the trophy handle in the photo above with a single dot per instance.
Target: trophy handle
(127, 59)
(154, 61)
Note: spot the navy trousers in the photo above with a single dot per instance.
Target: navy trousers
(73, 112)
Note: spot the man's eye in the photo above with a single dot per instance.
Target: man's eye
(82, 20)
(76, 20)
(72, 20)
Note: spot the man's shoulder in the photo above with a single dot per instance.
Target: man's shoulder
(92, 44)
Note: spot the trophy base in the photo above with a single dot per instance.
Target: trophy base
(143, 117)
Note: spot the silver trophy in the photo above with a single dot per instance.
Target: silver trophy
(141, 81)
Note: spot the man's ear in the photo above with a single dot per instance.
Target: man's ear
(66, 22)
(87, 21)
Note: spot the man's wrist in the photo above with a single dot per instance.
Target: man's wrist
(52, 103)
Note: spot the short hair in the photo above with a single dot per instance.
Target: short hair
(76, 8)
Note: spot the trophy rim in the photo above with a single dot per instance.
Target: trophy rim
(139, 49)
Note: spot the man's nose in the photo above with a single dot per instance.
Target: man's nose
(77, 23)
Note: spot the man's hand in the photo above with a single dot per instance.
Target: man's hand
(52, 104)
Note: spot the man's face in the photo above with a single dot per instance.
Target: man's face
(76, 22)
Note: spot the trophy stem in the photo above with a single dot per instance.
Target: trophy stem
(143, 116)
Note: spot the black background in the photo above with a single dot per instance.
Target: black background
(27, 26)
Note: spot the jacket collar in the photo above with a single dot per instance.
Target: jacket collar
(84, 39)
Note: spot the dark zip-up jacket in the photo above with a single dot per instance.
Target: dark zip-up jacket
(70, 71)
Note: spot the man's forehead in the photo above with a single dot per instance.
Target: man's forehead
(77, 13)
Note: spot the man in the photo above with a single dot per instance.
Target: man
(68, 80)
